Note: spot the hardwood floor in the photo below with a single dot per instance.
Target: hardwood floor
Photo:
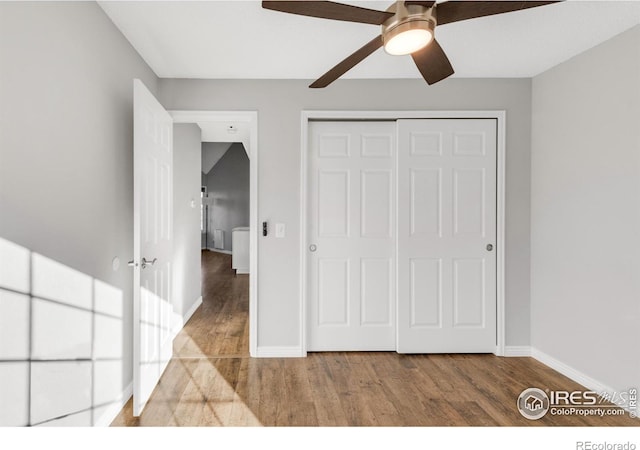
(220, 327)
(211, 381)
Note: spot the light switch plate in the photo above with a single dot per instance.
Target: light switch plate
(280, 230)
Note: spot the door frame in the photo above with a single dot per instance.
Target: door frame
(500, 117)
(250, 118)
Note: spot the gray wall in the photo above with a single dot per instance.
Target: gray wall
(585, 238)
(66, 162)
(228, 188)
(187, 144)
(279, 103)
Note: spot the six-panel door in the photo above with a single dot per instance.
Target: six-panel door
(446, 236)
(351, 230)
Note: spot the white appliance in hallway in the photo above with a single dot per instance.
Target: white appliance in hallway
(153, 240)
(240, 250)
(422, 280)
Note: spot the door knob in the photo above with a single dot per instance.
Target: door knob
(313, 248)
(146, 263)
(489, 247)
(132, 263)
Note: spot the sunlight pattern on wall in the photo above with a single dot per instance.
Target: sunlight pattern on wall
(61, 345)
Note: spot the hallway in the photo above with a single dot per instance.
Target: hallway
(220, 327)
(211, 381)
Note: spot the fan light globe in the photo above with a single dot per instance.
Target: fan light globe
(405, 35)
(408, 42)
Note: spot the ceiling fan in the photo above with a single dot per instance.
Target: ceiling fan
(407, 28)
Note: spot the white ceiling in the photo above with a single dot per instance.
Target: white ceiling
(239, 39)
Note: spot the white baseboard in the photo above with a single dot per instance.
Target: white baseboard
(114, 409)
(280, 352)
(574, 374)
(192, 310)
(517, 350)
(569, 371)
(179, 322)
(218, 250)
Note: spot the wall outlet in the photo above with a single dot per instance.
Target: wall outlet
(280, 230)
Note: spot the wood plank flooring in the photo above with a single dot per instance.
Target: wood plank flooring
(211, 381)
(220, 327)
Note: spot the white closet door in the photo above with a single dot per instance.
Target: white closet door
(351, 236)
(446, 236)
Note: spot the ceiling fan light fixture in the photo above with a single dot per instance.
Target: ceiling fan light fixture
(408, 37)
(407, 28)
(410, 29)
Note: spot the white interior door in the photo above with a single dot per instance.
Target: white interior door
(153, 229)
(446, 235)
(351, 236)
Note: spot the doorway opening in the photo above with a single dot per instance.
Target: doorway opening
(228, 228)
(225, 252)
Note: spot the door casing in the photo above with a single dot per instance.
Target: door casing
(498, 115)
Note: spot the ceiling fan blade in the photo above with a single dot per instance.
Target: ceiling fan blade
(347, 64)
(329, 10)
(455, 11)
(432, 63)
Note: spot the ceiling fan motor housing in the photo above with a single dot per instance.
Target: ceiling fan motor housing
(407, 18)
